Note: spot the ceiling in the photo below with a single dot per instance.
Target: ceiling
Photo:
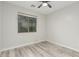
(43, 10)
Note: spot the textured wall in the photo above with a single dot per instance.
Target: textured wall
(10, 27)
(63, 26)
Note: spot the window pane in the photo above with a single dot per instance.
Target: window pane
(22, 23)
(32, 24)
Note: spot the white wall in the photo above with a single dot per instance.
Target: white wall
(63, 26)
(11, 36)
(0, 25)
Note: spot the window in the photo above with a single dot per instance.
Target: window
(26, 24)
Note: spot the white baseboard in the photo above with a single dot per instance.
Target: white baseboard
(63, 45)
(22, 45)
(39, 42)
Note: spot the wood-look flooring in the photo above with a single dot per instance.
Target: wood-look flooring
(42, 49)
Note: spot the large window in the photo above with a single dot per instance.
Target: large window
(26, 24)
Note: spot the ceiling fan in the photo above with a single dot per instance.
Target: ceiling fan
(44, 3)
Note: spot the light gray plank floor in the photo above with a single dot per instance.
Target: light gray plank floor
(42, 49)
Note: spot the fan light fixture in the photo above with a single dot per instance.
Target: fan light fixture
(44, 4)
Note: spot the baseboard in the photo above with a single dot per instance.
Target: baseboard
(22, 45)
(39, 42)
(62, 45)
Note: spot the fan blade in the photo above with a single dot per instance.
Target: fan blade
(49, 5)
(39, 5)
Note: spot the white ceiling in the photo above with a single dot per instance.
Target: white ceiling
(43, 10)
